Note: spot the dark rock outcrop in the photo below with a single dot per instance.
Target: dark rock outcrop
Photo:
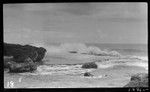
(89, 65)
(28, 66)
(72, 51)
(6, 60)
(24, 57)
(138, 80)
(20, 53)
(87, 74)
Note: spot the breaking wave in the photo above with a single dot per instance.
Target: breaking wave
(82, 48)
(79, 48)
(77, 70)
(114, 63)
(59, 70)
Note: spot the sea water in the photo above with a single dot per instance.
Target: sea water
(59, 62)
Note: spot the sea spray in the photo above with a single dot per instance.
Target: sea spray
(80, 48)
(74, 47)
(144, 58)
(122, 62)
(38, 44)
(59, 70)
(92, 50)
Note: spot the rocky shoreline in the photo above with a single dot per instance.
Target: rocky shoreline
(138, 80)
(26, 58)
(22, 58)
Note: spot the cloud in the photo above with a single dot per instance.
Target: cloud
(39, 7)
(76, 8)
(75, 22)
(101, 34)
(107, 11)
(121, 12)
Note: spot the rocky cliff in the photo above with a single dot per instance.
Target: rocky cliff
(24, 57)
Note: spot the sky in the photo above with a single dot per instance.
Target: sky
(124, 23)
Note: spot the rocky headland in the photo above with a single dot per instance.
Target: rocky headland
(138, 80)
(22, 58)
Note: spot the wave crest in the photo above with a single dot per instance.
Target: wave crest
(80, 48)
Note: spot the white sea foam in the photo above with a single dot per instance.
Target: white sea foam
(124, 62)
(143, 58)
(140, 64)
(77, 70)
(78, 47)
(105, 65)
(82, 48)
(59, 70)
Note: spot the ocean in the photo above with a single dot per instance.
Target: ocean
(59, 61)
(139, 50)
(62, 69)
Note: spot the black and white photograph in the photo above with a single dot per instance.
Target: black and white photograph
(75, 45)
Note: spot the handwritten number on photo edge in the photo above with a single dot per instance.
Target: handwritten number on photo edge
(10, 84)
